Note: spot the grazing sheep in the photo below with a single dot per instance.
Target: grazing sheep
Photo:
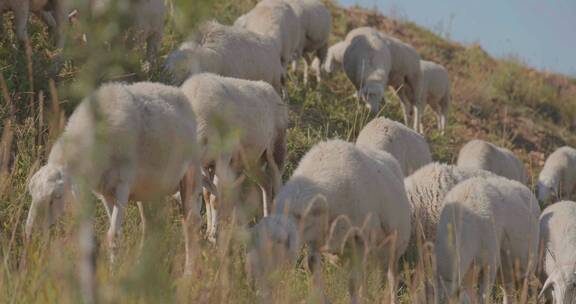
(558, 234)
(333, 61)
(339, 195)
(149, 25)
(408, 147)
(51, 12)
(486, 224)
(146, 22)
(367, 64)
(241, 125)
(315, 26)
(335, 57)
(436, 91)
(124, 142)
(426, 189)
(558, 177)
(278, 21)
(227, 51)
(405, 75)
(484, 155)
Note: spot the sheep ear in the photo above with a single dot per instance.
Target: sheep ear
(547, 285)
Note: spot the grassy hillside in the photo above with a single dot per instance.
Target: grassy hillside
(502, 101)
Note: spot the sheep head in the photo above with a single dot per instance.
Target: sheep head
(546, 190)
(561, 284)
(182, 63)
(372, 94)
(48, 187)
(274, 245)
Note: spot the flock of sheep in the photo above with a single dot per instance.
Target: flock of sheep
(228, 119)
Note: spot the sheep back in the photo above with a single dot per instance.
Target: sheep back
(351, 183)
(408, 147)
(227, 51)
(144, 132)
(250, 113)
(558, 234)
(426, 189)
(483, 218)
(277, 20)
(367, 58)
(558, 176)
(480, 154)
(435, 84)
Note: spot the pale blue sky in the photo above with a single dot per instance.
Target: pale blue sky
(541, 32)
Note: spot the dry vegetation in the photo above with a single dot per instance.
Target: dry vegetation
(500, 100)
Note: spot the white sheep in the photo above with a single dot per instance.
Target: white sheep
(51, 12)
(558, 177)
(435, 91)
(144, 21)
(338, 195)
(227, 51)
(426, 189)
(333, 60)
(335, 57)
(148, 25)
(315, 26)
(277, 20)
(124, 142)
(241, 126)
(367, 64)
(480, 154)
(405, 74)
(558, 235)
(408, 147)
(486, 225)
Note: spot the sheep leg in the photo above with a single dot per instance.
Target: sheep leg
(213, 213)
(223, 179)
(142, 224)
(418, 110)
(189, 191)
(406, 105)
(321, 54)
(21, 14)
(265, 187)
(306, 66)
(440, 117)
(206, 196)
(60, 16)
(444, 114)
(48, 19)
(121, 200)
(488, 277)
(108, 203)
(314, 266)
(406, 110)
(208, 174)
(294, 66)
(152, 46)
(275, 160)
(356, 279)
(414, 83)
(307, 61)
